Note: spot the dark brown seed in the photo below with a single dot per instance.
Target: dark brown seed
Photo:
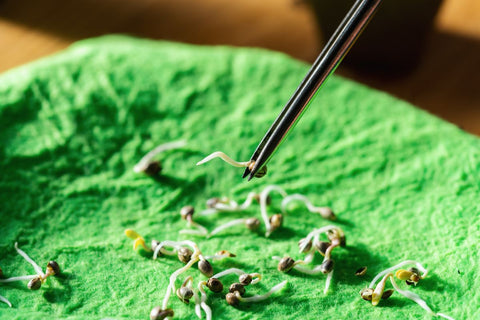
(252, 223)
(361, 271)
(237, 287)
(153, 168)
(322, 247)
(286, 264)
(185, 294)
(304, 245)
(158, 314)
(205, 267)
(184, 254)
(212, 202)
(415, 277)
(215, 285)
(53, 268)
(367, 294)
(337, 234)
(245, 279)
(387, 294)
(414, 270)
(232, 299)
(327, 266)
(276, 221)
(262, 172)
(187, 212)
(34, 284)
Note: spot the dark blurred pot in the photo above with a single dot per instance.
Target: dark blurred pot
(394, 39)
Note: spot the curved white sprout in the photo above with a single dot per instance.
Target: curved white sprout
(230, 205)
(224, 157)
(401, 264)
(198, 310)
(37, 268)
(328, 281)
(263, 205)
(257, 298)
(145, 161)
(203, 299)
(5, 300)
(323, 211)
(226, 226)
(21, 278)
(173, 277)
(314, 234)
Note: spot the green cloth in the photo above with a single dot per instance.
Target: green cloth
(404, 184)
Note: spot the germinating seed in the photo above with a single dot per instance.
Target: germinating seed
(187, 212)
(53, 268)
(322, 247)
(327, 266)
(184, 254)
(212, 202)
(245, 279)
(276, 221)
(232, 299)
(387, 294)
(205, 267)
(35, 283)
(366, 294)
(361, 271)
(185, 294)
(252, 223)
(215, 285)
(286, 264)
(153, 168)
(237, 287)
(305, 245)
(262, 172)
(158, 314)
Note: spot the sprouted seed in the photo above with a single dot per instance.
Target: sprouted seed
(185, 292)
(205, 267)
(5, 300)
(35, 283)
(263, 206)
(276, 221)
(237, 287)
(158, 313)
(245, 279)
(379, 292)
(150, 167)
(325, 212)
(255, 277)
(257, 298)
(215, 205)
(250, 223)
(184, 254)
(215, 285)
(187, 214)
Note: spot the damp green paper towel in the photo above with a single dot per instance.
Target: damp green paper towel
(404, 184)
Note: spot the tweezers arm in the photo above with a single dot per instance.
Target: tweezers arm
(325, 64)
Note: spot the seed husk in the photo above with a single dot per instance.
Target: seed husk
(252, 223)
(286, 264)
(307, 247)
(185, 294)
(403, 274)
(187, 212)
(215, 285)
(276, 221)
(158, 314)
(237, 287)
(212, 202)
(361, 271)
(327, 266)
(322, 247)
(53, 268)
(262, 172)
(387, 294)
(154, 168)
(409, 282)
(245, 279)
(205, 267)
(184, 254)
(367, 294)
(232, 299)
(35, 283)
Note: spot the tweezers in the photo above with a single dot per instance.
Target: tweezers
(325, 64)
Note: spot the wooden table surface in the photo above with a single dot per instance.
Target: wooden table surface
(445, 83)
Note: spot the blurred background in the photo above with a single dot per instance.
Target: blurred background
(424, 51)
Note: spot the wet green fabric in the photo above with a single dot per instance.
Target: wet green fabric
(404, 184)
